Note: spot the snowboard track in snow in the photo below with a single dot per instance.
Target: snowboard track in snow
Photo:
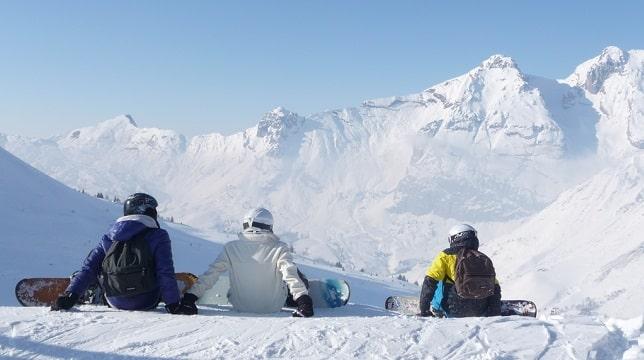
(355, 331)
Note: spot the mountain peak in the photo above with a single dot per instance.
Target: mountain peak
(277, 119)
(125, 119)
(592, 74)
(279, 112)
(115, 124)
(119, 122)
(499, 61)
(613, 54)
(276, 125)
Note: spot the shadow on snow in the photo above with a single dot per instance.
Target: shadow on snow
(20, 347)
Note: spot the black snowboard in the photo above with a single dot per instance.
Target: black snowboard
(409, 305)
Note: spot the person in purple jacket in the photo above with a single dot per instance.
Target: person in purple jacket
(139, 220)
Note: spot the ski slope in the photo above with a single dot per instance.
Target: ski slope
(353, 332)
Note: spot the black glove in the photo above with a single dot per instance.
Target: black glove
(185, 307)
(304, 307)
(65, 302)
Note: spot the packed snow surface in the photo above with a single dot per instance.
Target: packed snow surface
(352, 332)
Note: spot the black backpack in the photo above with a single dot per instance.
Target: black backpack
(128, 268)
(475, 275)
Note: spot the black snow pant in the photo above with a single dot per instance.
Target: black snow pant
(457, 306)
(95, 294)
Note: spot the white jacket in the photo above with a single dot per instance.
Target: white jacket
(260, 267)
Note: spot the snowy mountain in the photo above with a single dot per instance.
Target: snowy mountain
(550, 172)
(481, 147)
(376, 186)
(614, 82)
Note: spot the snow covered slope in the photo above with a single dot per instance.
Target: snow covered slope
(48, 228)
(353, 332)
(585, 252)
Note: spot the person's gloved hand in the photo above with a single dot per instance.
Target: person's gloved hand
(189, 301)
(185, 307)
(304, 307)
(65, 302)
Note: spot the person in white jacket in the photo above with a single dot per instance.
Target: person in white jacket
(261, 270)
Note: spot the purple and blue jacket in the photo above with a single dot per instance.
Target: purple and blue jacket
(125, 229)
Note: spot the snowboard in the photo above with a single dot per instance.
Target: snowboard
(325, 293)
(409, 305)
(45, 291)
(329, 293)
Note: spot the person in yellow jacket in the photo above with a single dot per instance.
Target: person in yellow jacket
(440, 281)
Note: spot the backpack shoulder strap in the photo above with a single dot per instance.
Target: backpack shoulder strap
(460, 254)
(119, 244)
(140, 238)
(143, 234)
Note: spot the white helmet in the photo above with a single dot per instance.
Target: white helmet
(258, 220)
(458, 232)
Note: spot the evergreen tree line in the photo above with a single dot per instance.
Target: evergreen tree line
(116, 199)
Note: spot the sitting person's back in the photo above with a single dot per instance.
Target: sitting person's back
(464, 293)
(261, 270)
(258, 263)
(132, 263)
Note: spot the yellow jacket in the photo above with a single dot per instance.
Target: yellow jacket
(443, 267)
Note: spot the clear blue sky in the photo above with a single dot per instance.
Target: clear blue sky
(212, 66)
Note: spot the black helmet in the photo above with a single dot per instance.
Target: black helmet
(140, 203)
(463, 235)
